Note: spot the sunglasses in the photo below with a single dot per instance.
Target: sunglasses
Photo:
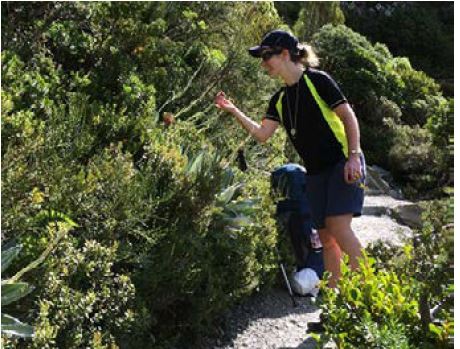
(266, 55)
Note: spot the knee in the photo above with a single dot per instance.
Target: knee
(327, 241)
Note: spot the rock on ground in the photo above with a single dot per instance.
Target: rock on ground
(372, 228)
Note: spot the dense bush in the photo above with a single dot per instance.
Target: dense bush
(415, 160)
(314, 15)
(82, 298)
(369, 306)
(402, 297)
(366, 70)
(12, 291)
(168, 235)
(391, 100)
(432, 21)
(182, 230)
(108, 118)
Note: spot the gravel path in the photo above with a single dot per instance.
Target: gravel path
(268, 320)
(375, 223)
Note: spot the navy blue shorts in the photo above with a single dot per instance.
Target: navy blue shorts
(329, 194)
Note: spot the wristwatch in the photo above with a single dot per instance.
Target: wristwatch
(355, 152)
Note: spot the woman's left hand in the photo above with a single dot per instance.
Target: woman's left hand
(352, 171)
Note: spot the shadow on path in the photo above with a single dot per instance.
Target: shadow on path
(268, 305)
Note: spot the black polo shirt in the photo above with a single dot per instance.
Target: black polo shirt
(314, 140)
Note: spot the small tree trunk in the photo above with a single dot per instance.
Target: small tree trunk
(424, 309)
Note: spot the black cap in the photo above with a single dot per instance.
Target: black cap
(275, 38)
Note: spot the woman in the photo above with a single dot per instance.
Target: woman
(324, 130)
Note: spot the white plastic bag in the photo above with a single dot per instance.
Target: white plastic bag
(305, 282)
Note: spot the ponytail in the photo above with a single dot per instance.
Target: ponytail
(305, 55)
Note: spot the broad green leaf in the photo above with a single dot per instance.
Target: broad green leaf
(14, 291)
(242, 207)
(194, 165)
(13, 327)
(228, 177)
(226, 195)
(436, 330)
(8, 256)
(238, 221)
(355, 294)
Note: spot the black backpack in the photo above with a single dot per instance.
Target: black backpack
(288, 184)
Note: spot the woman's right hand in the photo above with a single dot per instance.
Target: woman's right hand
(223, 103)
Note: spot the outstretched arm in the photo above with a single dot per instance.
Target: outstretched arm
(261, 132)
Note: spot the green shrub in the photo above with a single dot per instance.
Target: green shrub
(395, 106)
(216, 256)
(82, 134)
(81, 295)
(401, 296)
(414, 160)
(58, 225)
(172, 232)
(378, 109)
(365, 70)
(369, 307)
(434, 22)
(441, 127)
(12, 291)
(391, 335)
(433, 266)
(313, 15)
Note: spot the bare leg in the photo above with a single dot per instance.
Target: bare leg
(340, 228)
(331, 255)
(336, 237)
